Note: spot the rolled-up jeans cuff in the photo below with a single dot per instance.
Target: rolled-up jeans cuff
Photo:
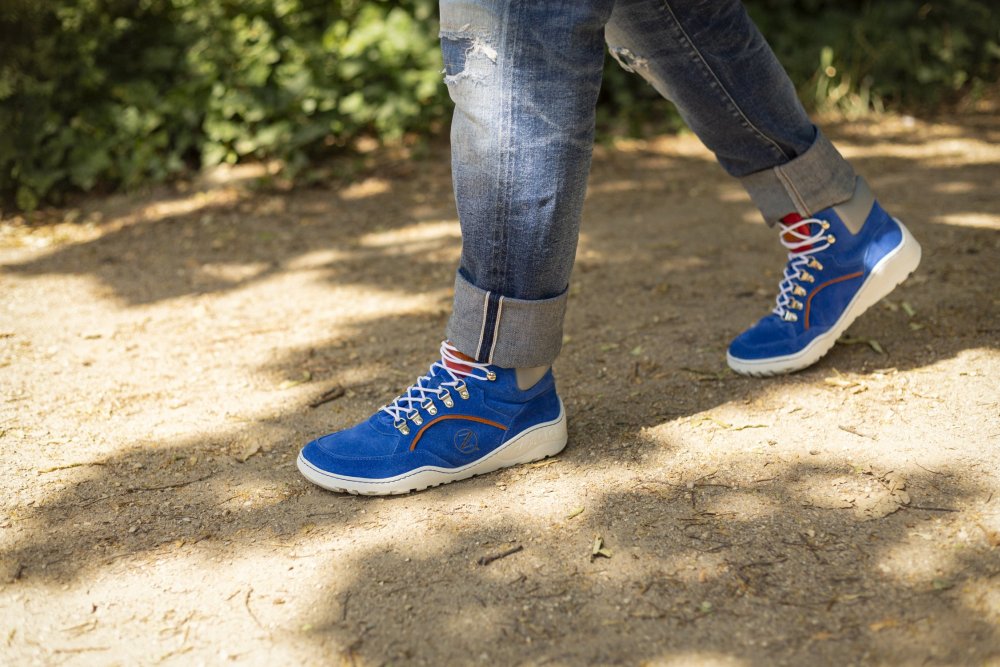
(510, 333)
(817, 179)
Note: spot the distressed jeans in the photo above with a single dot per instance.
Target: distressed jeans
(524, 76)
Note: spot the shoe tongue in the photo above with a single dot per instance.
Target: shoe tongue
(791, 219)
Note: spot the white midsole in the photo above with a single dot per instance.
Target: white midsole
(891, 270)
(539, 441)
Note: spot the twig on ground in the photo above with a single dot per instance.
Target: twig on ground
(343, 606)
(931, 509)
(170, 486)
(852, 431)
(486, 560)
(246, 603)
(327, 396)
(933, 472)
(68, 466)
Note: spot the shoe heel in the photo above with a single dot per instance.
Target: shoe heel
(535, 443)
(891, 271)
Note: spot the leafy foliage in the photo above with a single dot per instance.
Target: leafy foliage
(114, 93)
(856, 54)
(121, 92)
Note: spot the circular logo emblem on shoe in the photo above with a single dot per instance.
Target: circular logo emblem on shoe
(466, 441)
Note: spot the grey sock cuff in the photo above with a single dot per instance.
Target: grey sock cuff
(511, 333)
(817, 179)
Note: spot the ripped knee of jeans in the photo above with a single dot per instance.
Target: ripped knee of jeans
(629, 60)
(467, 57)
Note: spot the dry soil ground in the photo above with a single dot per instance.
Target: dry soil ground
(158, 356)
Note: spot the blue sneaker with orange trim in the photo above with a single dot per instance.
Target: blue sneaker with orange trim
(463, 418)
(841, 262)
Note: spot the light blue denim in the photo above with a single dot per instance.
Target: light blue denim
(524, 76)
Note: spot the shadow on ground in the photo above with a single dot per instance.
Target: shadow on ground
(672, 264)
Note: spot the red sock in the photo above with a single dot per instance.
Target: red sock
(791, 219)
(461, 368)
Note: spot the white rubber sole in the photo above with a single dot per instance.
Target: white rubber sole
(890, 271)
(533, 444)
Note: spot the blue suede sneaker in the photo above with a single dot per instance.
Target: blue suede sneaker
(463, 418)
(841, 262)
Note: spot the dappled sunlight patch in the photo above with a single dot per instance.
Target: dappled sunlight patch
(974, 220)
(182, 205)
(945, 152)
(369, 187)
(365, 303)
(700, 658)
(684, 144)
(683, 264)
(982, 594)
(924, 559)
(733, 193)
(968, 365)
(232, 272)
(15, 234)
(955, 187)
(612, 187)
(317, 259)
(423, 232)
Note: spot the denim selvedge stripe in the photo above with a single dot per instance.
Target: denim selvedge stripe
(524, 76)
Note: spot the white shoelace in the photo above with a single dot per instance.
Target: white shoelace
(420, 396)
(800, 247)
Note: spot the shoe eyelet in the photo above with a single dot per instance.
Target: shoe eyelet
(806, 277)
(825, 225)
(446, 398)
(430, 407)
(798, 290)
(813, 264)
(416, 418)
(491, 376)
(831, 239)
(402, 426)
(463, 391)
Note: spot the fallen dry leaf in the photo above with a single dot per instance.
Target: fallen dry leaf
(885, 623)
(248, 452)
(598, 550)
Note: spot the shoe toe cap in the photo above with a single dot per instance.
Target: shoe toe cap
(770, 337)
(361, 441)
(364, 452)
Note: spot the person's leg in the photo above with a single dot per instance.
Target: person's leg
(713, 63)
(524, 77)
(710, 60)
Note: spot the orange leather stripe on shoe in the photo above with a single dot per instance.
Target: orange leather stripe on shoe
(426, 426)
(827, 284)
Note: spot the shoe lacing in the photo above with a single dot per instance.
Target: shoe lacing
(801, 244)
(421, 396)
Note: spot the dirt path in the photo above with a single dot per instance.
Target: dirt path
(157, 360)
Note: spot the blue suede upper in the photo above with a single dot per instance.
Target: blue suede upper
(454, 437)
(834, 287)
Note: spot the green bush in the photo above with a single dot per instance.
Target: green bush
(113, 93)
(120, 92)
(858, 54)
